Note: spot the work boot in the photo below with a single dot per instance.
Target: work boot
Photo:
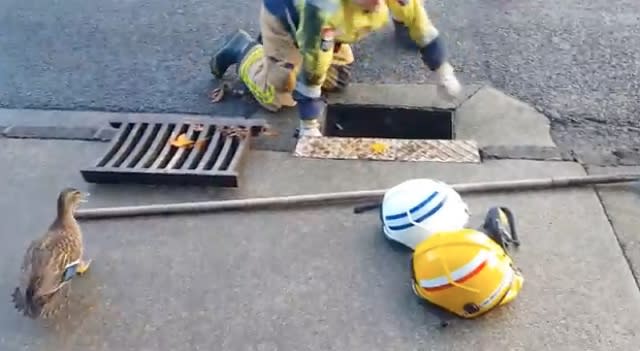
(448, 83)
(235, 46)
(309, 128)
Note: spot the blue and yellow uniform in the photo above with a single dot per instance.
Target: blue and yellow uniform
(305, 48)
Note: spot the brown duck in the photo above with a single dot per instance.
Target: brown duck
(52, 260)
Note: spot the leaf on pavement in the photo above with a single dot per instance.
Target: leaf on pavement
(182, 141)
(200, 144)
(378, 148)
(268, 131)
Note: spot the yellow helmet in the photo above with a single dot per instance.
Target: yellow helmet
(468, 272)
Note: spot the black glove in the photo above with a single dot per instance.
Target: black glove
(338, 77)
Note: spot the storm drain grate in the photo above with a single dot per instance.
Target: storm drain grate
(194, 152)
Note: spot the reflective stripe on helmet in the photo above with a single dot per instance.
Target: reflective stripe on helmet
(506, 281)
(420, 212)
(467, 271)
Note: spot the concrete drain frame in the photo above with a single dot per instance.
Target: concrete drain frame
(194, 151)
(355, 129)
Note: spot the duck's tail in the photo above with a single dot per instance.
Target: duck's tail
(29, 303)
(26, 303)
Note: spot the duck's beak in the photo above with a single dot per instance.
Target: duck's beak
(84, 197)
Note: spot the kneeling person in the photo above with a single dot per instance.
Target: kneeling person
(305, 50)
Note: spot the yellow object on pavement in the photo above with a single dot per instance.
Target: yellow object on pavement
(464, 272)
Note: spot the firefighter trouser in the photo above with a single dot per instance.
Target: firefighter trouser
(269, 70)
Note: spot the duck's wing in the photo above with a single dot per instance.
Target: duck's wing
(54, 262)
(27, 259)
(22, 296)
(55, 302)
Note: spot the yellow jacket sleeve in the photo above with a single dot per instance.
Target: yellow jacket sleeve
(413, 15)
(316, 45)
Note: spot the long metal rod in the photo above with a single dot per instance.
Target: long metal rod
(341, 197)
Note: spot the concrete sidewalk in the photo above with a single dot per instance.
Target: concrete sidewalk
(312, 279)
(317, 278)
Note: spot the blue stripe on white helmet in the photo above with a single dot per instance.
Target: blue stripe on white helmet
(424, 210)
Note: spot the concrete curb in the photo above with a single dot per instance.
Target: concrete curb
(103, 134)
(527, 152)
(503, 127)
(612, 158)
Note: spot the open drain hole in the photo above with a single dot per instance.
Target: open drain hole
(388, 122)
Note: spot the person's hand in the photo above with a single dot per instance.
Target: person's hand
(338, 77)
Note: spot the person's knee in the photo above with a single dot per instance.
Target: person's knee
(282, 77)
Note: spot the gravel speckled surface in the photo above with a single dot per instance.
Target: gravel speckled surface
(575, 61)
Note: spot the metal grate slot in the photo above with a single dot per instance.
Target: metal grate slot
(224, 154)
(204, 138)
(130, 142)
(168, 150)
(206, 151)
(143, 144)
(156, 146)
(180, 154)
(213, 150)
(116, 143)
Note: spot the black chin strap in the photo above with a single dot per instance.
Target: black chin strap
(501, 232)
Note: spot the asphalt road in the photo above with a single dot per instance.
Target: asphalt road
(576, 61)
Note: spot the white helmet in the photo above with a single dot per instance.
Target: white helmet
(414, 209)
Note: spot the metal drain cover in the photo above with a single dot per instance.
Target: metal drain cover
(205, 151)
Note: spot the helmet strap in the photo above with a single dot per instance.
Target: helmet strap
(494, 227)
(412, 221)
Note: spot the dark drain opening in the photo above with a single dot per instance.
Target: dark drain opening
(388, 122)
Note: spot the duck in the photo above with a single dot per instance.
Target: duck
(52, 260)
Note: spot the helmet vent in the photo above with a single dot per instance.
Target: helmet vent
(471, 308)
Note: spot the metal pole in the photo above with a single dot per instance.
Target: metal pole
(341, 197)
